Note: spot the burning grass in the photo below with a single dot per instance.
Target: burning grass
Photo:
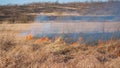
(42, 40)
(47, 53)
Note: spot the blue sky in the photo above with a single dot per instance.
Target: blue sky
(4, 2)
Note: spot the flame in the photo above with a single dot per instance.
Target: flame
(28, 37)
(42, 40)
(80, 39)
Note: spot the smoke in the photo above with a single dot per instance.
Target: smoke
(74, 29)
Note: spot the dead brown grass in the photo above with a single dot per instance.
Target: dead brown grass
(18, 53)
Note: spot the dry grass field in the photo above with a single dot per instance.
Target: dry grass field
(27, 52)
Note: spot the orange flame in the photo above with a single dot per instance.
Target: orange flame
(42, 40)
(80, 39)
(28, 37)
